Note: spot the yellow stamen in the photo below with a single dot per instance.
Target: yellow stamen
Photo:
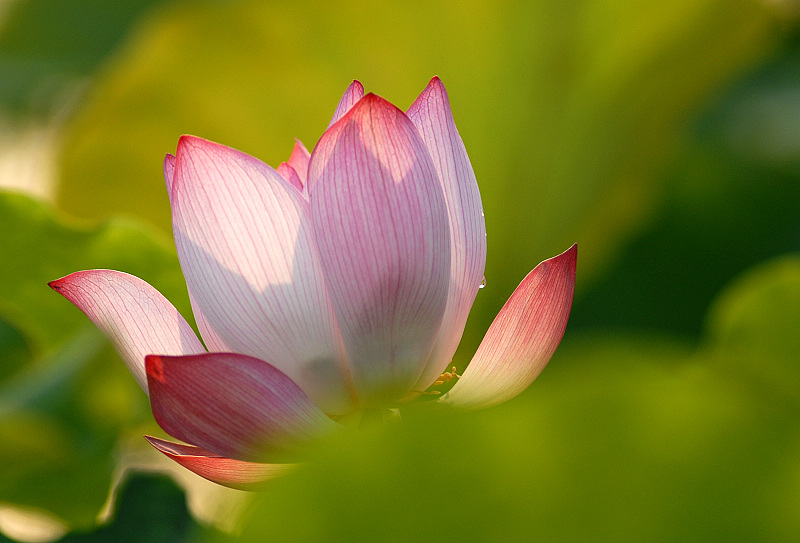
(446, 377)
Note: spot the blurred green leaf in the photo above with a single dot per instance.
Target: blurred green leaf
(42, 385)
(50, 447)
(45, 246)
(755, 327)
(622, 438)
(148, 508)
(669, 275)
(14, 350)
(645, 454)
(732, 201)
(65, 400)
(46, 46)
(758, 119)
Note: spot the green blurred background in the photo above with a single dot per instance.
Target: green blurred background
(663, 137)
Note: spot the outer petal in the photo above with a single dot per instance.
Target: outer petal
(522, 338)
(134, 315)
(245, 243)
(299, 161)
(232, 405)
(228, 472)
(381, 224)
(431, 114)
(352, 94)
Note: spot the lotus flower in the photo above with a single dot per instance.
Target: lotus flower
(337, 284)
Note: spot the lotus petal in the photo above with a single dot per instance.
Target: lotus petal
(381, 225)
(522, 338)
(245, 243)
(431, 114)
(289, 173)
(299, 161)
(233, 405)
(353, 93)
(228, 472)
(169, 172)
(136, 317)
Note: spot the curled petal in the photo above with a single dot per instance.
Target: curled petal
(233, 405)
(380, 222)
(299, 161)
(228, 472)
(431, 114)
(352, 94)
(522, 338)
(245, 243)
(289, 173)
(169, 171)
(136, 317)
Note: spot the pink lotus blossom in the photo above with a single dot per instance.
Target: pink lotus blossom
(338, 283)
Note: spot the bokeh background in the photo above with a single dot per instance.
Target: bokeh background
(663, 137)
